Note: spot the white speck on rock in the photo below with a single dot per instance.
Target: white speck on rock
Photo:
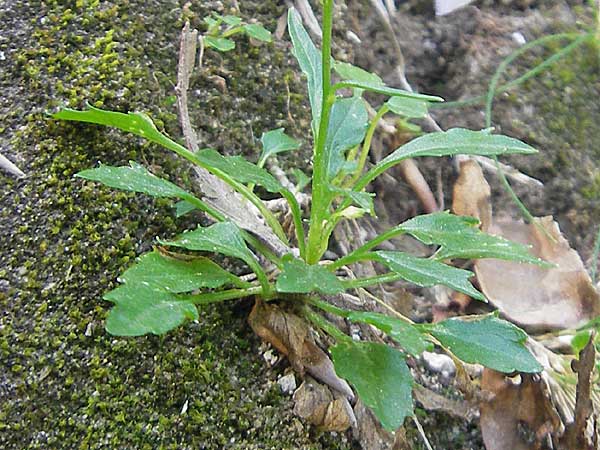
(287, 384)
(518, 38)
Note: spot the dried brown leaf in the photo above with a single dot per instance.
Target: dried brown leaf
(471, 195)
(291, 335)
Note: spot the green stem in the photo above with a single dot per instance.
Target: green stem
(527, 75)
(370, 281)
(325, 325)
(320, 195)
(328, 307)
(367, 143)
(203, 207)
(297, 218)
(230, 294)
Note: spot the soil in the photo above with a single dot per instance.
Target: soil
(64, 382)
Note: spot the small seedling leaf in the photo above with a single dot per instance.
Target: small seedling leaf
(177, 275)
(408, 107)
(276, 141)
(135, 179)
(380, 376)
(487, 340)
(309, 59)
(220, 44)
(427, 272)
(232, 21)
(405, 334)
(348, 125)
(142, 309)
(239, 169)
(459, 237)
(301, 278)
(222, 237)
(258, 32)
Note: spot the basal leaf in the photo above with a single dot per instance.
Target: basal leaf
(239, 169)
(408, 336)
(459, 237)
(348, 71)
(258, 32)
(299, 277)
(135, 179)
(380, 376)
(427, 272)
(457, 141)
(276, 141)
(222, 237)
(141, 309)
(408, 107)
(176, 275)
(309, 59)
(220, 44)
(487, 340)
(385, 90)
(347, 128)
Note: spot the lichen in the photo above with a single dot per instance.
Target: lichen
(69, 384)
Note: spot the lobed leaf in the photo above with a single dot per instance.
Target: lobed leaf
(298, 277)
(487, 340)
(222, 237)
(427, 272)
(309, 59)
(348, 125)
(135, 179)
(276, 141)
(380, 376)
(239, 169)
(176, 275)
(407, 335)
(258, 32)
(459, 237)
(141, 309)
(457, 141)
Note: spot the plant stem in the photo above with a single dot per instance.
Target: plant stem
(369, 281)
(321, 197)
(230, 294)
(367, 143)
(361, 253)
(325, 325)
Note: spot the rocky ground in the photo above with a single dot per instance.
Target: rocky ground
(64, 382)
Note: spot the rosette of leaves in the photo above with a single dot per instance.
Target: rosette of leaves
(164, 288)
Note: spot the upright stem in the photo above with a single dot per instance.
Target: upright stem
(320, 193)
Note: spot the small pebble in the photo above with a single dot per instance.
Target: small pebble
(287, 384)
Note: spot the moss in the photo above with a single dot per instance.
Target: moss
(70, 385)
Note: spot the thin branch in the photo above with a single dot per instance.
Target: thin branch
(187, 57)
(7, 165)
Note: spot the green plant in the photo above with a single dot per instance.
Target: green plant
(221, 28)
(163, 289)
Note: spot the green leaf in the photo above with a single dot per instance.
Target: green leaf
(222, 237)
(141, 309)
(348, 125)
(427, 272)
(405, 334)
(239, 169)
(258, 32)
(232, 21)
(175, 275)
(385, 90)
(309, 59)
(362, 199)
(408, 107)
(579, 341)
(380, 376)
(182, 208)
(459, 237)
(220, 44)
(135, 179)
(301, 278)
(348, 71)
(302, 179)
(276, 141)
(457, 141)
(489, 341)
